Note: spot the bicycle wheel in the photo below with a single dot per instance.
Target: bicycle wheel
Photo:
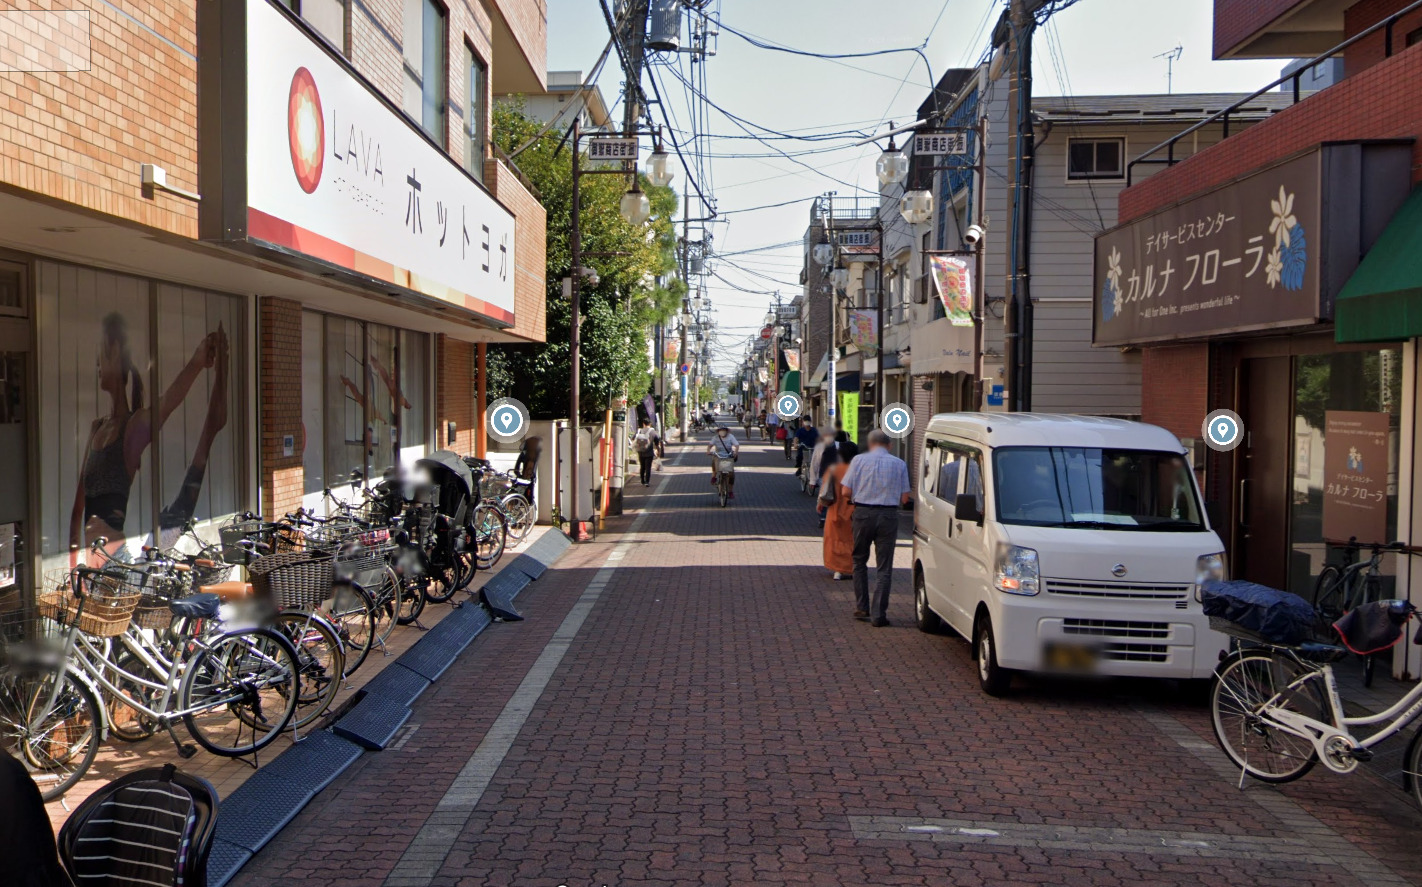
(127, 721)
(387, 592)
(57, 745)
(1243, 685)
(490, 535)
(1328, 595)
(352, 612)
(241, 691)
(521, 516)
(412, 603)
(322, 661)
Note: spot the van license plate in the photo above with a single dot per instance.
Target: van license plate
(1078, 658)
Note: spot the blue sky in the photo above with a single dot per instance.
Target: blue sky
(1100, 46)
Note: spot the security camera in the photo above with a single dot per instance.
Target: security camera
(974, 234)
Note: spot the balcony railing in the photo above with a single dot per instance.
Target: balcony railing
(1386, 26)
(848, 208)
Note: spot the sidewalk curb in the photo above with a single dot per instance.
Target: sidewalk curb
(257, 811)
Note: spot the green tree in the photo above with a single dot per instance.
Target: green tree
(634, 291)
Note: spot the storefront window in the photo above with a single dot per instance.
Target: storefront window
(1346, 432)
(365, 395)
(141, 425)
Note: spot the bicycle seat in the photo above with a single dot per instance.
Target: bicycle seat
(228, 591)
(1320, 653)
(195, 606)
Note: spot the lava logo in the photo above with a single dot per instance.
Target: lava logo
(305, 130)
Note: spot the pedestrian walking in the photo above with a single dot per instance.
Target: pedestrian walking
(645, 443)
(772, 426)
(878, 482)
(836, 516)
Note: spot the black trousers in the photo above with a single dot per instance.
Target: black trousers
(644, 459)
(878, 527)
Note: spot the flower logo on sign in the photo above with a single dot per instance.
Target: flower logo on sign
(305, 130)
(1289, 259)
(1111, 289)
(1355, 459)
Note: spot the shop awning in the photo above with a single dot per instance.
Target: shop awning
(790, 381)
(1382, 301)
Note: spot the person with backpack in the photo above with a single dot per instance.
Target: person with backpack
(645, 443)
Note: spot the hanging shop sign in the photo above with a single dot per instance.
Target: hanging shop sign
(1355, 457)
(864, 331)
(940, 143)
(953, 279)
(792, 359)
(1256, 254)
(612, 149)
(301, 157)
(856, 238)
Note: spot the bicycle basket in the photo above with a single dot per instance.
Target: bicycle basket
(107, 607)
(334, 533)
(361, 561)
(1274, 616)
(237, 532)
(295, 579)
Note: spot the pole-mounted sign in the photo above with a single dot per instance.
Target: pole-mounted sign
(940, 143)
(612, 149)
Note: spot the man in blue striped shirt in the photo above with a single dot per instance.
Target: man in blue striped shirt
(878, 484)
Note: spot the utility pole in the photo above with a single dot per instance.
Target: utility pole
(879, 398)
(685, 313)
(634, 38)
(575, 356)
(1018, 345)
(830, 376)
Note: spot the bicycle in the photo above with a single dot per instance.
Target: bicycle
(1276, 709)
(725, 468)
(1342, 587)
(59, 669)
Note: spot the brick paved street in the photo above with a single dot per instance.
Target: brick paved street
(719, 718)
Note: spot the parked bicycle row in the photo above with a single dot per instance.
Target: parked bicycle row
(241, 639)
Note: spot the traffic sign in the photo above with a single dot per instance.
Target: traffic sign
(765, 332)
(684, 369)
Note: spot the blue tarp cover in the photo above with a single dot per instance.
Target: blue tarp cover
(1277, 616)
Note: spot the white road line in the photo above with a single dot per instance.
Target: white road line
(426, 854)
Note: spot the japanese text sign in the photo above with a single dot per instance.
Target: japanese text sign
(864, 331)
(936, 143)
(1243, 257)
(1355, 471)
(612, 149)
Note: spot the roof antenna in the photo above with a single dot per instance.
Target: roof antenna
(1171, 58)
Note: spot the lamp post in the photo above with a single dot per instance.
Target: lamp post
(636, 209)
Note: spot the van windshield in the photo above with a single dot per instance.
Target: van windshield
(1087, 488)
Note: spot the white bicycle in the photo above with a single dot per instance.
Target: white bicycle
(1277, 711)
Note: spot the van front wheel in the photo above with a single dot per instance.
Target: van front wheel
(993, 678)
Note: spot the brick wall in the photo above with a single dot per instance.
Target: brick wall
(530, 251)
(1175, 387)
(1237, 20)
(454, 395)
(1378, 103)
(81, 137)
(527, 21)
(1372, 50)
(376, 36)
(279, 380)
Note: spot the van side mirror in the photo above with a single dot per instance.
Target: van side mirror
(966, 509)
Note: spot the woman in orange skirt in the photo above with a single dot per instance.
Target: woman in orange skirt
(839, 532)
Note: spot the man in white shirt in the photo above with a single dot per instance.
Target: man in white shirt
(878, 485)
(724, 446)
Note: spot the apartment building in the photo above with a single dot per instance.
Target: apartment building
(246, 249)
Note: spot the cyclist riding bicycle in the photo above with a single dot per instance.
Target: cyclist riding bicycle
(724, 446)
(807, 437)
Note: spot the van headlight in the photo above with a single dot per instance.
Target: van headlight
(1208, 568)
(1017, 570)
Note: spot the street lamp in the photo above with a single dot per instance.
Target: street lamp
(636, 208)
(659, 171)
(840, 278)
(823, 254)
(892, 167)
(916, 206)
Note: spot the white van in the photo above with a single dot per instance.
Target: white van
(1064, 543)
